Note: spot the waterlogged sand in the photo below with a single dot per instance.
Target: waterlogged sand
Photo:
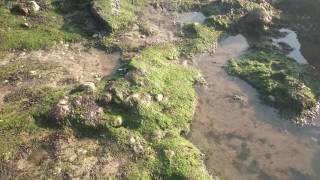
(242, 138)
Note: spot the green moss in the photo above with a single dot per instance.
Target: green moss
(226, 15)
(116, 19)
(281, 81)
(220, 22)
(183, 5)
(200, 38)
(20, 116)
(154, 71)
(180, 159)
(47, 27)
(112, 43)
(26, 69)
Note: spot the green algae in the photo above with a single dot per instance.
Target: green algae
(281, 81)
(199, 39)
(162, 75)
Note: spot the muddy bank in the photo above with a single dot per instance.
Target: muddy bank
(241, 137)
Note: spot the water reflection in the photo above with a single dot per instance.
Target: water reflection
(190, 17)
(290, 39)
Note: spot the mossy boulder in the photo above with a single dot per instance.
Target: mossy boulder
(199, 38)
(281, 81)
(115, 14)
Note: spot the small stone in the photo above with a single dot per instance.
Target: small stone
(77, 101)
(146, 99)
(33, 73)
(87, 86)
(169, 153)
(6, 81)
(117, 122)
(185, 63)
(138, 149)
(314, 139)
(63, 101)
(61, 110)
(132, 140)
(239, 99)
(34, 6)
(26, 25)
(107, 98)
(96, 35)
(132, 100)
(272, 98)
(82, 151)
(22, 164)
(158, 134)
(159, 97)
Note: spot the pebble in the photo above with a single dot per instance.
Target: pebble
(159, 97)
(118, 121)
(314, 139)
(132, 140)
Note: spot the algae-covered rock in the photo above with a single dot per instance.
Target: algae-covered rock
(280, 81)
(114, 14)
(257, 20)
(61, 110)
(77, 111)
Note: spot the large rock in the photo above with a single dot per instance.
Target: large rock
(257, 20)
(79, 110)
(86, 109)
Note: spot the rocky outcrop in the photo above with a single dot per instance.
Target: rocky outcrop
(25, 8)
(257, 20)
(98, 13)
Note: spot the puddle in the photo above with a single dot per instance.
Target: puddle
(291, 39)
(242, 138)
(191, 17)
